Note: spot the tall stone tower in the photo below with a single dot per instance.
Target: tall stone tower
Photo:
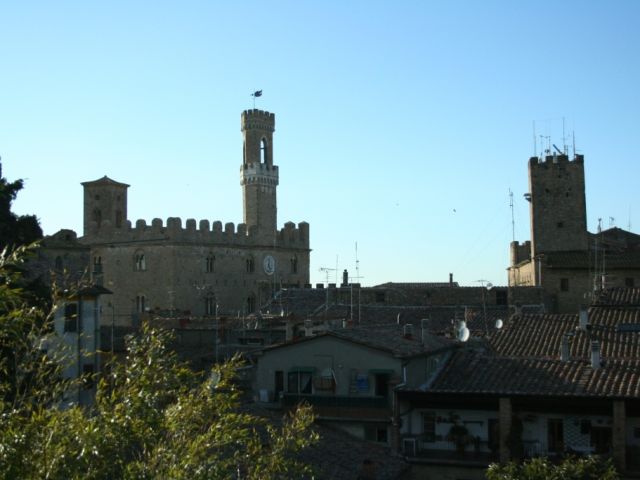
(258, 174)
(558, 207)
(105, 205)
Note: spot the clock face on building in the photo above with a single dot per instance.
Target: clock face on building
(269, 265)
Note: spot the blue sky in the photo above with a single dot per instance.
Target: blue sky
(399, 125)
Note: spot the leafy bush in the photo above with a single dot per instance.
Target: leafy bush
(571, 468)
(153, 417)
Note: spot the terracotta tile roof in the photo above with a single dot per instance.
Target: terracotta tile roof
(392, 339)
(388, 338)
(104, 181)
(523, 358)
(441, 319)
(471, 371)
(297, 301)
(541, 336)
(629, 297)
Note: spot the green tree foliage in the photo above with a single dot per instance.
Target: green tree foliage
(15, 229)
(571, 468)
(19, 230)
(153, 417)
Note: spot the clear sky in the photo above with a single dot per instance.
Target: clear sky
(399, 125)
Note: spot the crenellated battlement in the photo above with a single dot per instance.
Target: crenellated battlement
(259, 173)
(520, 251)
(200, 232)
(257, 119)
(555, 160)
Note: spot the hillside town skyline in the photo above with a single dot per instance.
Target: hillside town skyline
(414, 164)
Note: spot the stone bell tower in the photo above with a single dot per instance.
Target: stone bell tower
(105, 206)
(258, 174)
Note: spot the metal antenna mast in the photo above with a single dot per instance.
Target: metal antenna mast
(326, 271)
(357, 279)
(513, 221)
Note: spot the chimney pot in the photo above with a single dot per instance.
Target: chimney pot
(596, 361)
(583, 319)
(564, 349)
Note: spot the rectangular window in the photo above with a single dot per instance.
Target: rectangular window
(429, 426)
(380, 297)
(299, 382)
(564, 284)
(555, 435)
(140, 303)
(628, 282)
(71, 317)
(376, 433)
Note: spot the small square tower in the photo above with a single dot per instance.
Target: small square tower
(105, 205)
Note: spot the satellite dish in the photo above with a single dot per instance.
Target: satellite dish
(462, 325)
(499, 323)
(463, 334)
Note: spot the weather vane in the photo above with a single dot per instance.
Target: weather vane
(257, 93)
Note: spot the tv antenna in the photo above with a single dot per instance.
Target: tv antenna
(357, 279)
(327, 270)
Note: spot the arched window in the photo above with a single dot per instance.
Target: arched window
(118, 218)
(59, 265)
(294, 264)
(251, 265)
(211, 263)
(264, 153)
(210, 307)
(139, 261)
